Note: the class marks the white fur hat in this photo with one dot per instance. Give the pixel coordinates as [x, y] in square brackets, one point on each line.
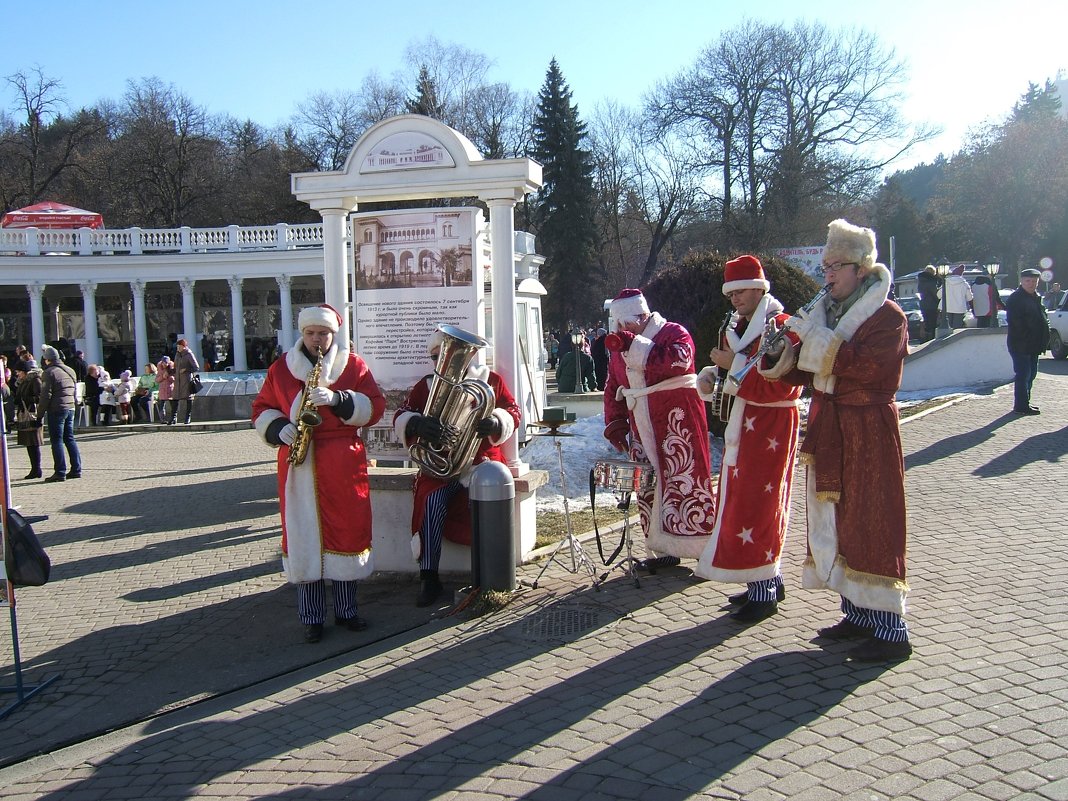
[324, 315]
[851, 244]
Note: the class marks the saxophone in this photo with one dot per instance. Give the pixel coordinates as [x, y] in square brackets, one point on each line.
[307, 416]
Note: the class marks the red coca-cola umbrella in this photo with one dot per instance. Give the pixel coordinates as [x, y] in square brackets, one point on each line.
[51, 215]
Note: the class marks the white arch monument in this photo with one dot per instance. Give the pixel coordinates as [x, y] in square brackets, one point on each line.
[412, 157]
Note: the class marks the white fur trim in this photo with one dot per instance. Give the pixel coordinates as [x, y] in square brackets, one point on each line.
[706, 381]
[868, 303]
[263, 422]
[507, 425]
[417, 546]
[747, 283]
[340, 567]
[400, 423]
[317, 315]
[362, 412]
[786, 363]
[814, 350]
[629, 308]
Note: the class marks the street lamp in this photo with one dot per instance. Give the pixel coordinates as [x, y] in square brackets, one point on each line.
[942, 268]
[577, 338]
[993, 268]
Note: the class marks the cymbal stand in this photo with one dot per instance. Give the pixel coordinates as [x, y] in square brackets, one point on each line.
[579, 559]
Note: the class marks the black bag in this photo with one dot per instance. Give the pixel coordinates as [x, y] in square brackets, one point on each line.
[26, 561]
[195, 384]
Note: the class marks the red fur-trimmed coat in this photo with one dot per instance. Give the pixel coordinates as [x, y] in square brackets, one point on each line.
[651, 394]
[325, 502]
[856, 473]
[506, 411]
[756, 476]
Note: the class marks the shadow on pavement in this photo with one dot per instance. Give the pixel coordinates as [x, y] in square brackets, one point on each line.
[949, 447]
[1049, 447]
[334, 709]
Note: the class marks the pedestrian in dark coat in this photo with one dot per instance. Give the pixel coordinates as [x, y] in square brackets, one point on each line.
[1028, 338]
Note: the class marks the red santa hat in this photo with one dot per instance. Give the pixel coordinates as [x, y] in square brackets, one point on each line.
[744, 272]
[628, 305]
[324, 314]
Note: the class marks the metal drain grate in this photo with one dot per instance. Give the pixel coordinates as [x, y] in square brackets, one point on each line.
[560, 623]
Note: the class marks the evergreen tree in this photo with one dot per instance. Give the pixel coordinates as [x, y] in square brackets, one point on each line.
[426, 100]
[564, 212]
[1038, 102]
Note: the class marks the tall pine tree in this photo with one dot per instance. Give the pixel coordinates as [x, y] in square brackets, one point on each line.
[426, 100]
[565, 207]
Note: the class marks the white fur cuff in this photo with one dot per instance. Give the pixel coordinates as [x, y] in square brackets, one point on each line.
[363, 409]
[814, 350]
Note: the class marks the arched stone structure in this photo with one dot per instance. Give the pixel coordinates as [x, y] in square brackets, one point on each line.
[412, 157]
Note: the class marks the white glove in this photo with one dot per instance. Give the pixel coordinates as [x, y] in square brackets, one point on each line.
[801, 326]
[321, 396]
[288, 434]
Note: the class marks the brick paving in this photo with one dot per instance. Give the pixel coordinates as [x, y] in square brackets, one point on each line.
[166, 590]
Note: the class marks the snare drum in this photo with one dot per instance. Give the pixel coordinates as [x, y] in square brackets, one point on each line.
[621, 475]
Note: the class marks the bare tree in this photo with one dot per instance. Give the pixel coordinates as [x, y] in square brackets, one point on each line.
[166, 155]
[330, 125]
[37, 152]
[795, 122]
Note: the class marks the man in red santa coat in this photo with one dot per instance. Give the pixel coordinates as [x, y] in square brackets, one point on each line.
[325, 501]
[440, 508]
[753, 509]
[853, 348]
[653, 414]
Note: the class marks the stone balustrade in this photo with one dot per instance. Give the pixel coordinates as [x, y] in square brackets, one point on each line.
[140, 241]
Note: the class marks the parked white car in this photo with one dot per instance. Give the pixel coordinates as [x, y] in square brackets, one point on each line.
[1058, 330]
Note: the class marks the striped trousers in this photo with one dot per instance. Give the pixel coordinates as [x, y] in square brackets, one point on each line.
[433, 528]
[311, 601]
[888, 625]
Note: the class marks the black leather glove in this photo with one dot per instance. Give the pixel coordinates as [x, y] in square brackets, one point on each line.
[427, 428]
[490, 427]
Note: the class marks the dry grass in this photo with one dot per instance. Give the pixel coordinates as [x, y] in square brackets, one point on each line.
[552, 526]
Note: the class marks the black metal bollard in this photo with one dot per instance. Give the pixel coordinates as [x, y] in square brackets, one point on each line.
[492, 494]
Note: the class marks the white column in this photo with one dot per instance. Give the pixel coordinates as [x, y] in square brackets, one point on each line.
[137, 287]
[237, 324]
[92, 330]
[285, 303]
[56, 324]
[189, 318]
[37, 329]
[334, 266]
[505, 356]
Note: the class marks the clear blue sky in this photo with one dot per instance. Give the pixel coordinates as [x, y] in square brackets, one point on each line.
[968, 61]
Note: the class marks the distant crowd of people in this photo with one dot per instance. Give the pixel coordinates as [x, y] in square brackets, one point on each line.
[579, 357]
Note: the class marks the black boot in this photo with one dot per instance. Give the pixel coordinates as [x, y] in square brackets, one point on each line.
[429, 587]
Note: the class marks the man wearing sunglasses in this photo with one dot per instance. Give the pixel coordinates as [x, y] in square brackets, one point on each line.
[853, 347]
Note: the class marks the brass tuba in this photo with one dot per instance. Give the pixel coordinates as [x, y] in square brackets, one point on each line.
[307, 417]
[460, 404]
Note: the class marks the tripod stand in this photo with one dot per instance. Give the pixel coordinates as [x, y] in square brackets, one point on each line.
[628, 563]
[579, 559]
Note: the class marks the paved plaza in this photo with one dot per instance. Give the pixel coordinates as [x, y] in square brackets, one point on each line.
[181, 671]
